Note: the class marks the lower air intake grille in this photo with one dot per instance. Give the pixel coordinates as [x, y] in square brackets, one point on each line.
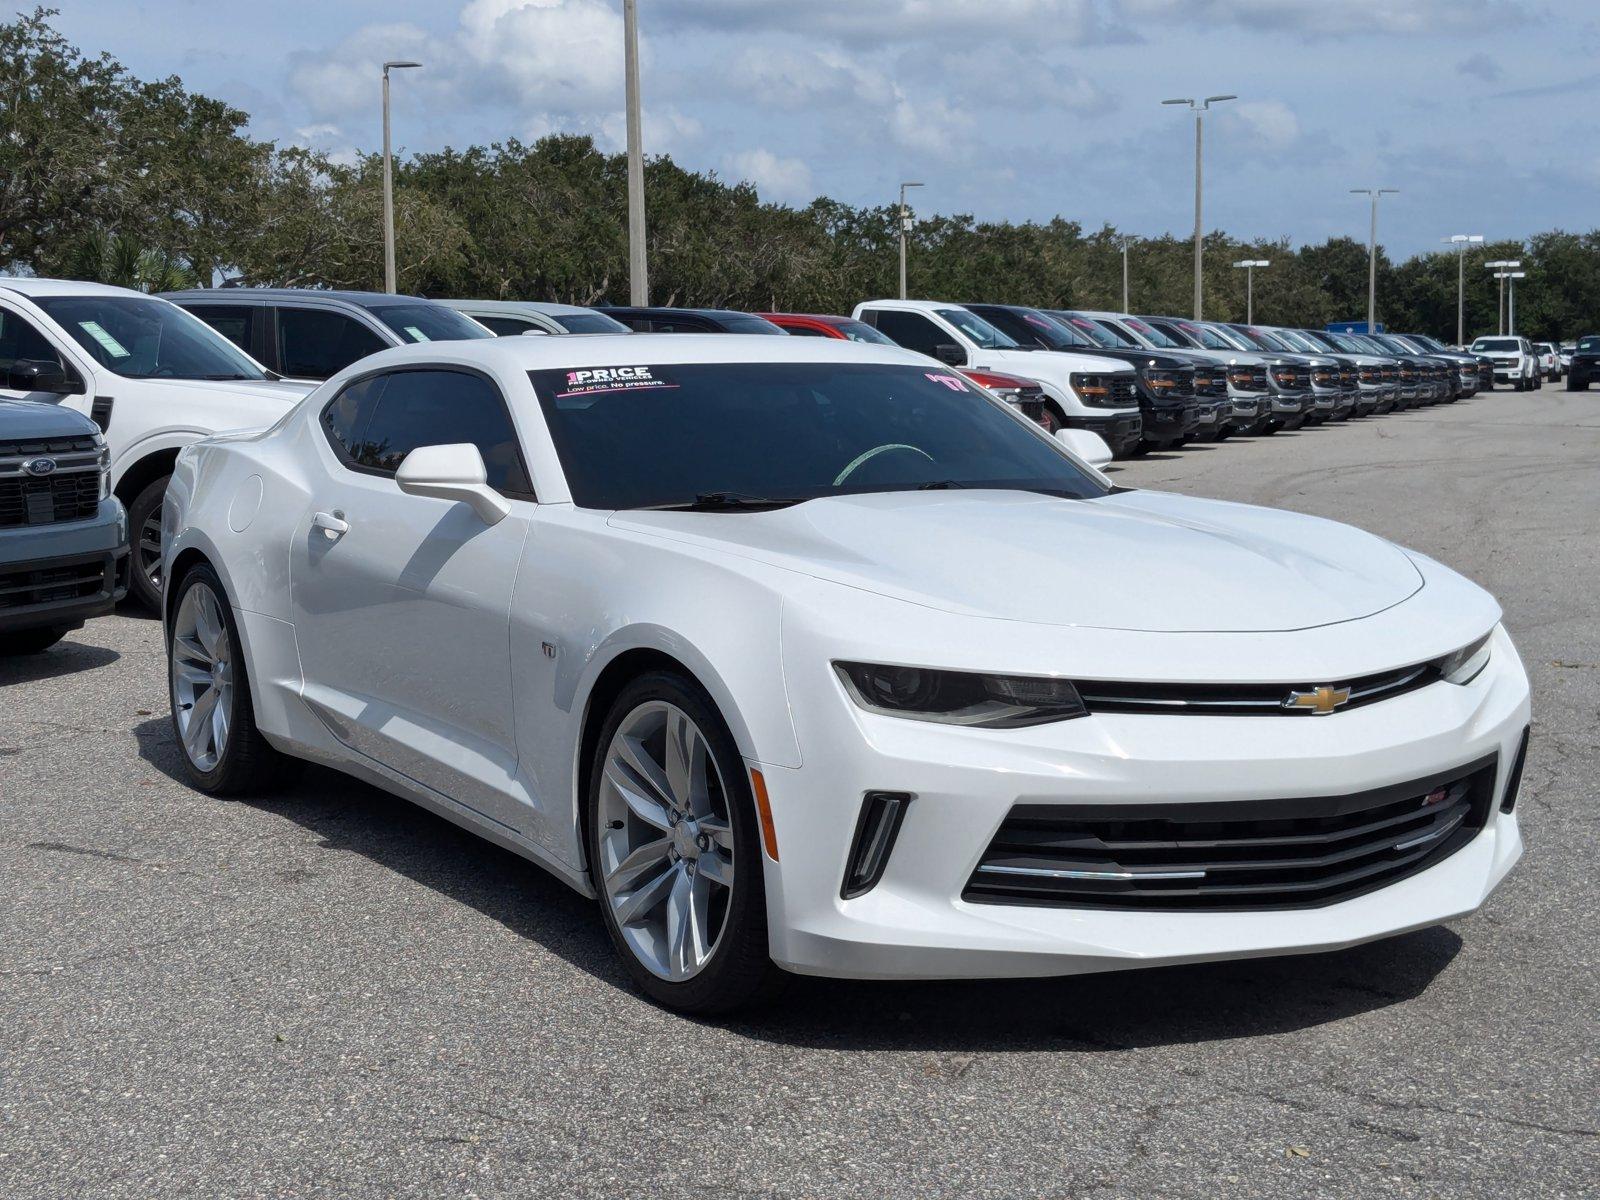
[1252, 854]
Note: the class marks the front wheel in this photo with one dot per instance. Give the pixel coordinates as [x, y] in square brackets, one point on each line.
[30, 641]
[209, 686]
[675, 852]
[1050, 420]
[144, 523]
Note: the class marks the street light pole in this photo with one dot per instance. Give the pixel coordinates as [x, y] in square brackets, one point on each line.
[905, 228]
[1461, 241]
[1250, 265]
[638, 267]
[1127, 307]
[1513, 276]
[1372, 253]
[388, 180]
[1500, 267]
[1199, 108]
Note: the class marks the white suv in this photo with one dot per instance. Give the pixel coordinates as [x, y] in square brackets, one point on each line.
[153, 377]
[1514, 361]
[1085, 391]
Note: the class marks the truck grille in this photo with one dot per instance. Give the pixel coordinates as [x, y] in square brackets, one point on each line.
[70, 493]
[1124, 391]
[61, 580]
[1251, 854]
[1212, 384]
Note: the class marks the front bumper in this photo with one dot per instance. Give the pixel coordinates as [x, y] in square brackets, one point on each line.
[1169, 422]
[1291, 404]
[964, 782]
[1246, 410]
[61, 575]
[1121, 430]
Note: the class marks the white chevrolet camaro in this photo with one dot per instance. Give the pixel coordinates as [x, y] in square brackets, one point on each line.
[810, 655]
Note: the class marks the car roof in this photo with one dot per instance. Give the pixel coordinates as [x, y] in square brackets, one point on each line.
[29, 286]
[515, 354]
[645, 310]
[546, 308]
[361, 299]
[820, 318]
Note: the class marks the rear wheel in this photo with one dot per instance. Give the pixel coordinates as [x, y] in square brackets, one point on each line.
[1050, 420]
[144, 524]
[674, 849]
[209, 686]
[30, 641]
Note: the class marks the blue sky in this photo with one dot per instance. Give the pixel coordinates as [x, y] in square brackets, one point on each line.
[1480, 111]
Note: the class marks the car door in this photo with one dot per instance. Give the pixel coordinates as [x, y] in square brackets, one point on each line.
[401, 603]
[919, 332]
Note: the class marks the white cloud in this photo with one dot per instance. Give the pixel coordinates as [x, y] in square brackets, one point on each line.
[783, 180]
[666, 131]
[1271, 121]
[566, 54]
[1313, 18]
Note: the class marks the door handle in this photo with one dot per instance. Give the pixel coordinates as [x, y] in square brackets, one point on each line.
[333, 524]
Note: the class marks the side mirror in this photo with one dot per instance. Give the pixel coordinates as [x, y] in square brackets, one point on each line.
[535, 331]
[950, 354]
[454, 472]
[37, 375]
[1090, 447]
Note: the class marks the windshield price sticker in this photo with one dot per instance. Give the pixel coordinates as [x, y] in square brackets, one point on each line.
[417, 335]
[107, 343]
[592, 380]
[954, 382]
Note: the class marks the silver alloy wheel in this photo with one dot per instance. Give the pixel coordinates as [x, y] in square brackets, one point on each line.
[666, 844]
[149, 549]
[202, 677]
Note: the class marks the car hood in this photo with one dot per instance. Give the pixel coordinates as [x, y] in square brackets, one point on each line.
[37, 420]
[1144, 561]
[255, 389]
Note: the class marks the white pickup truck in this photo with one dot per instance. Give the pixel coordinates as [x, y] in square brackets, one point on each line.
[1514, 361]
[1088, 392]
[153, 377]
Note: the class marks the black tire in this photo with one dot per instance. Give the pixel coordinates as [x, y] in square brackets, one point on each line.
[740, 971]
[30, 641]
[1574, 386]
[1051, 420]
[144, 517]
[248, 765]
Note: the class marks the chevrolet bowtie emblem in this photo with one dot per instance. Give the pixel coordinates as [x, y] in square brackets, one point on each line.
[1318, 701]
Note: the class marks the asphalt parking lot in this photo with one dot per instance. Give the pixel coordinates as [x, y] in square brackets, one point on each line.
[332, 993]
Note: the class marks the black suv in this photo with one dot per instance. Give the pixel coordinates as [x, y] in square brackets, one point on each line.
[63, 535]
[1585, 368]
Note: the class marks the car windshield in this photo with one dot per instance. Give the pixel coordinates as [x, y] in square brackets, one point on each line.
[139, 337]
[1298, 341]
[1094, 331]
[1206, 336]
[1033, 329]
[1272, 339]
[1232, 337]
[1589, 345]
[1151, 334]
[765, 434]
[589, 322]
[983, 334]
[429, 323]
[1319, 339]
[860, 331]
[1427, 343]
[738, 322]
[1404, 345]
[1348, 341]
[1501, 344]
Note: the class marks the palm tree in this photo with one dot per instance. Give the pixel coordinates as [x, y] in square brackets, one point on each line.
[116, 258]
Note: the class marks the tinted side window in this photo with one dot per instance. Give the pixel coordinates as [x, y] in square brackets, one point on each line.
[376, 422]
[314, 343]
[803, 331]
[20, 340]
[912, 330]
[679, 324]
[236, 322]
[504, 326]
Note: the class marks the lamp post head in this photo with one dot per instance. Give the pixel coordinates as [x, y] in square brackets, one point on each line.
[398, 64]
[1190, 103]
[1253, 262]
[1210, 100]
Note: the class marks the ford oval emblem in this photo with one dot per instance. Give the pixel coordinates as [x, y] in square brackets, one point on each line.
[40, 467]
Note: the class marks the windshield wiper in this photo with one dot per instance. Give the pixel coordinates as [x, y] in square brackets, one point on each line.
[234, 375]
[938, 485]
[723, 501]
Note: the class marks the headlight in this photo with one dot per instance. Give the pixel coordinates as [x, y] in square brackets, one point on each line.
[1091, 389]
[1283, 376]
[961, 697]
[1467, 663]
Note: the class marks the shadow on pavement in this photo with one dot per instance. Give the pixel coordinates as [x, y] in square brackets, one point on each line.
[1090, 1013]
[66, 657]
